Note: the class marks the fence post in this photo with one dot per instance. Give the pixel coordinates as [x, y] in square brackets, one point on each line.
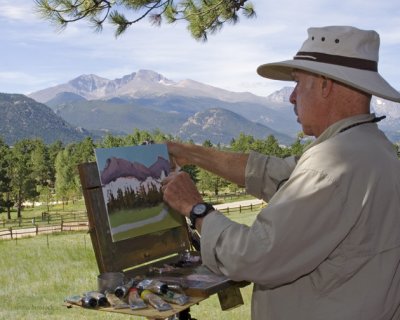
[37, 229]
[251, 207]
[62, 223]
[11, 235]
[240, 208]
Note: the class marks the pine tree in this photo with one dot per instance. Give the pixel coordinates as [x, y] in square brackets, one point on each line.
[203, 16]
[23, 183]
[5, 180]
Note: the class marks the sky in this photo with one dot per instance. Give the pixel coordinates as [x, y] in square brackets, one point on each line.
[34, 55]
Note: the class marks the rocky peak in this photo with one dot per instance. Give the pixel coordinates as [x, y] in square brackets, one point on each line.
[281, 96]
[88, 83]
[151, 76]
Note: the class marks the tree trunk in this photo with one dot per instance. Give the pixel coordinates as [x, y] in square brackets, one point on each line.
[19, 205]
[8, 206]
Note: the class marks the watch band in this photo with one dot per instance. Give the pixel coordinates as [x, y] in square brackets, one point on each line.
[194, 214]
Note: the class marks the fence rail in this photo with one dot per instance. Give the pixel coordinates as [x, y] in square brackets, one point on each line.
[45, 218]
[240, 208]
[48, 223]
[70, 221]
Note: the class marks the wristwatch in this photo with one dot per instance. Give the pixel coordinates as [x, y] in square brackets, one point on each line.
[199, 210]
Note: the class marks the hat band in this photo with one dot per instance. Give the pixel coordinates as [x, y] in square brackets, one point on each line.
[357, 63]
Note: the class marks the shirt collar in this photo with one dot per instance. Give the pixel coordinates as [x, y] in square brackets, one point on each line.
[335, 128]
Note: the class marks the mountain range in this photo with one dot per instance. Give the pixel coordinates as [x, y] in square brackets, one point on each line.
[188, 109]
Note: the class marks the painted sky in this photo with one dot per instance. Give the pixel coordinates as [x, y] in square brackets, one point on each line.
[34, 55]
[146, 154]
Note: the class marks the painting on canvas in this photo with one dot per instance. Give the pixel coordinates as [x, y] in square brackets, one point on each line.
[131, 183]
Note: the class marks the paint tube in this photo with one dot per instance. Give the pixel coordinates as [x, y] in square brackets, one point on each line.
[155, 301]
[122, 290]
[134, 300]
[174, 297]
[175, 287]
[116, 302]
[155, 286]
[100, 298]
[83, 301]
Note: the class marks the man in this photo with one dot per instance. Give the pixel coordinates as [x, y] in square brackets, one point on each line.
[327, 246]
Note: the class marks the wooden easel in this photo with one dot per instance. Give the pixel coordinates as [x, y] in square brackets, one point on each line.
[131, 255]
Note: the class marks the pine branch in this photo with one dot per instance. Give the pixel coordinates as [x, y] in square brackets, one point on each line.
[202, 15]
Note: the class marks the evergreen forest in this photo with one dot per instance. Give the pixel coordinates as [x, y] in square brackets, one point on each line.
[32, 171]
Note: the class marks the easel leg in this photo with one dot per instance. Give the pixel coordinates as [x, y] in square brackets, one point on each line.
[183, 315]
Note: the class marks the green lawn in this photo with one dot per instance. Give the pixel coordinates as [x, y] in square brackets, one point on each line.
[38, 273]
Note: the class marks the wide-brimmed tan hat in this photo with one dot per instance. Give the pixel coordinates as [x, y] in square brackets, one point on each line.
[345, 54]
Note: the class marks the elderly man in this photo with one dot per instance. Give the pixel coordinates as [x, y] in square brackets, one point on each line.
[327, 246]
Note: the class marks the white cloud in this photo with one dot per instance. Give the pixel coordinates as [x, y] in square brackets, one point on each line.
[26, 82]
[16, 10]
[11, 76]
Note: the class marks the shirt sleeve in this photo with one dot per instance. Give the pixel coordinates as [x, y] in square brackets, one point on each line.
[265, 174]
[299, 228]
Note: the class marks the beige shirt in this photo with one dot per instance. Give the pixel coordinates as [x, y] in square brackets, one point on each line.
[327, 246]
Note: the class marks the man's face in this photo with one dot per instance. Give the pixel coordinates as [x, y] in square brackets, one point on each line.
[308, 106]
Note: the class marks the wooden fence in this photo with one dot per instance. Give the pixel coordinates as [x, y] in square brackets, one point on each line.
[70, 221]
[47, 223]
[240, 208]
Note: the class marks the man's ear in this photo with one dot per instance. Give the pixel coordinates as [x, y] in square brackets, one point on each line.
[326, 86]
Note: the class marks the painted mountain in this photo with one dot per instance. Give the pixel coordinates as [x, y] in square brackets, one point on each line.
[116, 168]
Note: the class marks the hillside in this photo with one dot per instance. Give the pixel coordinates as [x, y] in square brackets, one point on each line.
[124, 117]
[22, 117]
[222, 125]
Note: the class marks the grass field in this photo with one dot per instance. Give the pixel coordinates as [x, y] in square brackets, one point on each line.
[36, 274]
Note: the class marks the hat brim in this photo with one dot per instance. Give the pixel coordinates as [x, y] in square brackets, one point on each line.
[367, 81]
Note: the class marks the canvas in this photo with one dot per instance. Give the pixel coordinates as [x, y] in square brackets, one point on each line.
[131, 183]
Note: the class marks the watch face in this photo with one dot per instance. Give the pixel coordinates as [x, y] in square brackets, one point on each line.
[199, 209]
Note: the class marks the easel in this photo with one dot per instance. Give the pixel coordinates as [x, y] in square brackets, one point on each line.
[131, 255]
